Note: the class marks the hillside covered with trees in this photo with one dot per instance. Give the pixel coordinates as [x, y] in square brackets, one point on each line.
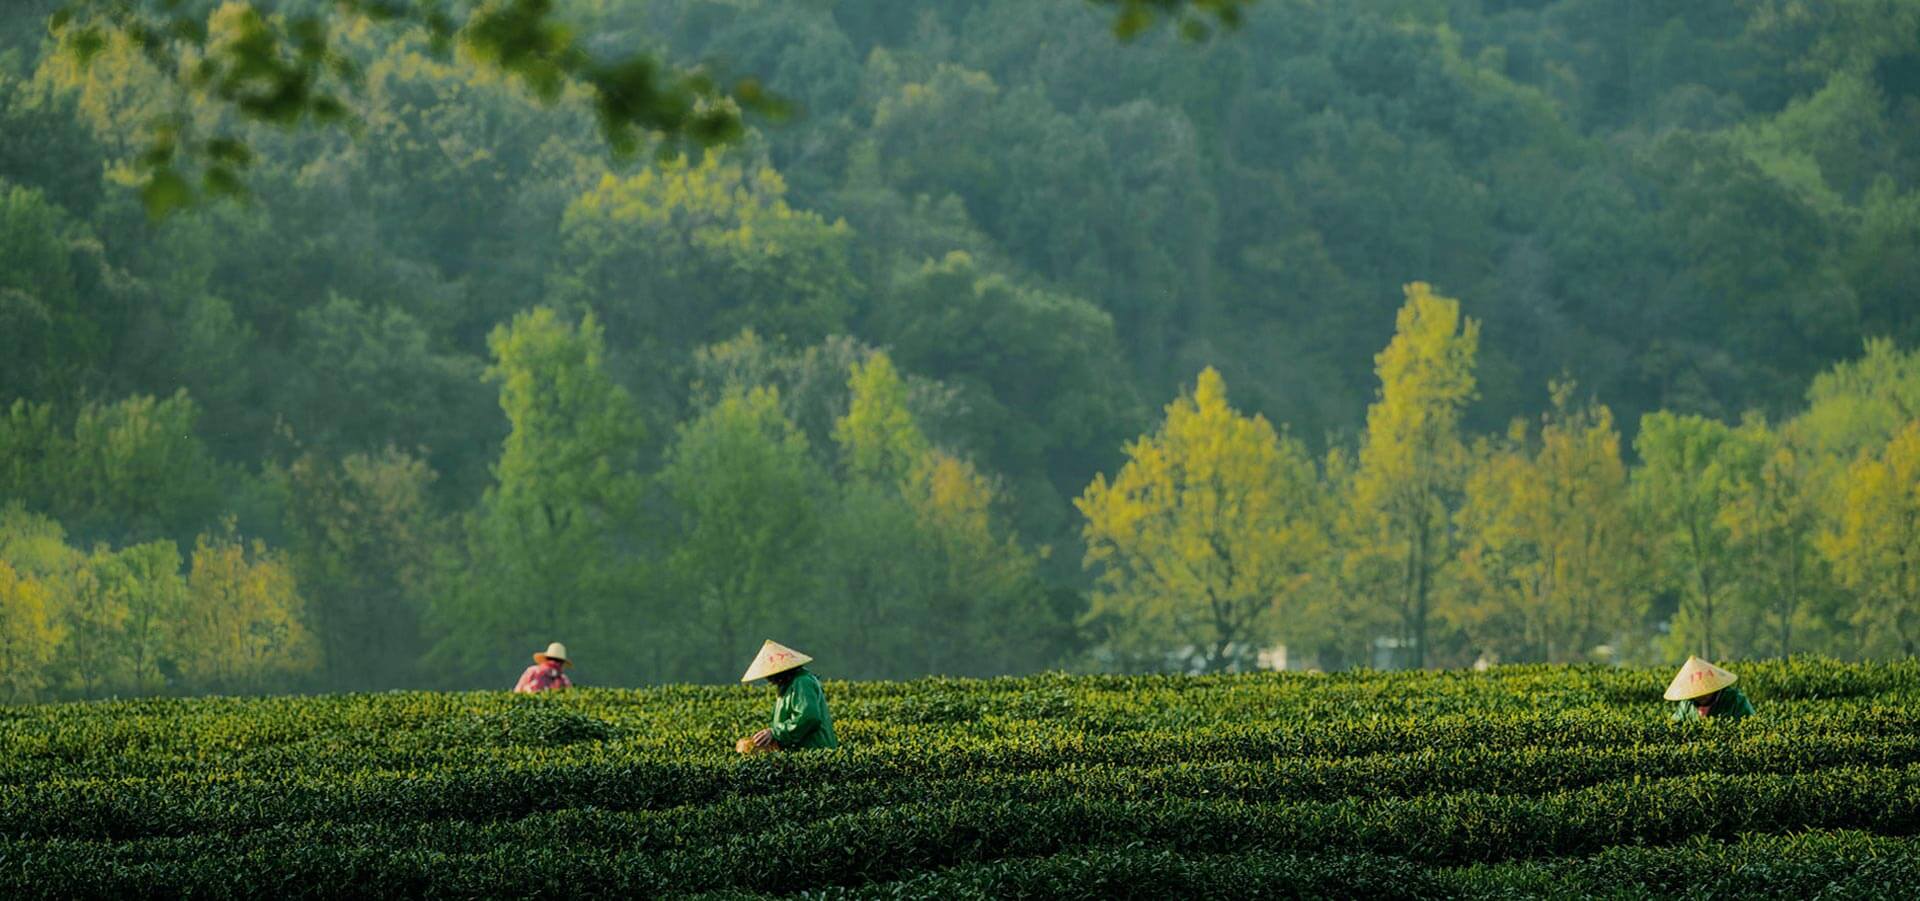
[1398, 333]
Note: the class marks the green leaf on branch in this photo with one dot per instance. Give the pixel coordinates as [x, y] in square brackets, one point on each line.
[328, 110]
[85, 44]
[230, 151]
[165, 192]
[190, 30]
[221, 181]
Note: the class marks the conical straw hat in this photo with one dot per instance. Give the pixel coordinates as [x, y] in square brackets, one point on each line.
[1697, 678]
[554, 651]
[774, 657]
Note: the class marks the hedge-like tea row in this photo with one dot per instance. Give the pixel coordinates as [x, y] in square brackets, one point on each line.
[1837, 865]
[803, 846]
[221, 727]
[27, 757]
[1516, 783]
[238, 802]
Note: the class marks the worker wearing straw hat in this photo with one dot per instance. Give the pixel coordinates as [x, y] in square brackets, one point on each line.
[547, 672]
[800, 717]
[1706, 691]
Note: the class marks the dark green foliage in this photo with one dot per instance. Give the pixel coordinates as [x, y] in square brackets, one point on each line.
[1132, 17]
[121, 472]
[532, 723]
[1692, 207]
[287, 70]
[1514, 783]
[46, 336]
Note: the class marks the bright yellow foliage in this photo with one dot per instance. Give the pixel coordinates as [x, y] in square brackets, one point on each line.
[97, 613]
[1204, 539]
[1876, 548]
[717, 203]
[1548, 568]
[1413, 448]
[30, 635]
[1413, 461]
[242, 618]
[948, 492]
[878, 436]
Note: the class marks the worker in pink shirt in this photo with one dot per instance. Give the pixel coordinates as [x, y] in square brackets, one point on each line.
[547, 672]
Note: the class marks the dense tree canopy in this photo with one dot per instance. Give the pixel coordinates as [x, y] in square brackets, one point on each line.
[653, 327]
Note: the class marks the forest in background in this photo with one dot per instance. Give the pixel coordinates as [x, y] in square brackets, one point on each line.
[891, 381]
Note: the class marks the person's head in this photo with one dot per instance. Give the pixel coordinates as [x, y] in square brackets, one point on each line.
[555, 656]
[1706, 700]
[784, 678]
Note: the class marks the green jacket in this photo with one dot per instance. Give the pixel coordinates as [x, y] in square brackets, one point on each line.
[800, 717]
[1731, 704]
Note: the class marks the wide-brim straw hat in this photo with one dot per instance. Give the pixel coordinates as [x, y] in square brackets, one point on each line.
[774, 658]
[555, 651]
[1697, 679]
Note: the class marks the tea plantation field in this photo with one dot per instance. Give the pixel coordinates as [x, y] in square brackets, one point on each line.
[1520, 782]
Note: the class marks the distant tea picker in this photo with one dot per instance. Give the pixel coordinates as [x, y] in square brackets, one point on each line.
[1706, 691]
[800, 717]
[546, 673]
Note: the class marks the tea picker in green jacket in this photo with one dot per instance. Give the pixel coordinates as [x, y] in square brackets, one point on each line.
[800, 717]
[1706, 691]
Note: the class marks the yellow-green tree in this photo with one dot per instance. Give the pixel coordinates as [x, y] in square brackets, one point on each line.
[1343, 614]
[89, 602]
[878, 437]
[929, 582]
[30, 635]
[139, 471]
[146, 578]
[35, 601]
[118, 607]
[1876, 548]
[1548, 557]
[130, 469]
[980, 573]
[1860, 404]
[744, 487]
[96, 612]
[116, 612]
[1773, 520]
[1501, 570]
[551, 546]
[1690, 470]
[1413, 462]
[1593, 546]
[241, 625]
[1204, 539]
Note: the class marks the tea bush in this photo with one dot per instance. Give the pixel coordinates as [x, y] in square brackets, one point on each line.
[1519, 782]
